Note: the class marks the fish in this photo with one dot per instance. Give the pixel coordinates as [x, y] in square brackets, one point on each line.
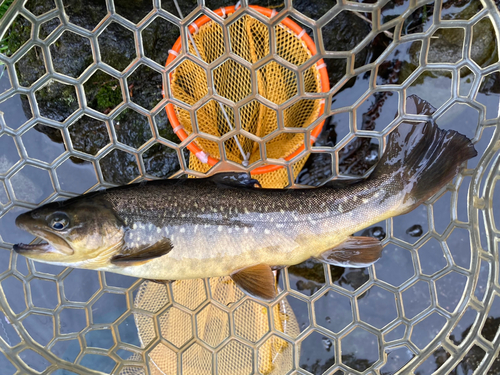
[227, 225]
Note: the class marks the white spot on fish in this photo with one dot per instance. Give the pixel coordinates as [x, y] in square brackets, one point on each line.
[166, 230]
[158, 230]
[282, 211]
[195, 205]
[355, 198]
[182, 230]
[203, 209]
[195, 228]
[150, 226]
[365, 200]
[219, 228]
[340, 208]
[230, 230]
[183, 215]
[246, 210]
[267, 231]
[280, 225]
[214, 209]
[134, 226]
[245, 230]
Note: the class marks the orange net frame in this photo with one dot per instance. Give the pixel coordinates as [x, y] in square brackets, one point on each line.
[249, 39]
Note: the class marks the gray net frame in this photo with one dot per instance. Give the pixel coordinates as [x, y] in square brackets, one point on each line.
[482, 288]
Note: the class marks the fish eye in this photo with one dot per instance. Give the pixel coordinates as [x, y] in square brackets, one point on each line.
[59, 221]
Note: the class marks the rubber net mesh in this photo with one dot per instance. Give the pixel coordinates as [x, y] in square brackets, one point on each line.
[233, 81]
[81, 108]
[275, 356]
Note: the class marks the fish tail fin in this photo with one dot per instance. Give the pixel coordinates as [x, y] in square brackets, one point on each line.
[425, 158]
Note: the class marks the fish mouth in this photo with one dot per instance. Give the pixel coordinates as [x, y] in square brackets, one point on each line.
[39, 248]
[54, 244]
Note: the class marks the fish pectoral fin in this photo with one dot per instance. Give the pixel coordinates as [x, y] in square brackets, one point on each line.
[257, 281]
[355, 252]
[139, 255]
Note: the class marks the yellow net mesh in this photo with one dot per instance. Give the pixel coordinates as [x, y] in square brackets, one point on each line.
[249, 40]
[251, 321]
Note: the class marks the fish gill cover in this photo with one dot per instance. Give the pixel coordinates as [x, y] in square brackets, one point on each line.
[82, 108]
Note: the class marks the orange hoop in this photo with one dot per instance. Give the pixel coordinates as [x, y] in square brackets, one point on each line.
[299, 33]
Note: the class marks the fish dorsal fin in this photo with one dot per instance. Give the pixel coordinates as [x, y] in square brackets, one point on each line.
[355, 252]
[258, 281]
[142, 254]
[235, 179]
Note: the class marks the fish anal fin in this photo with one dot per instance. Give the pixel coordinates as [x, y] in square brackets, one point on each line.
[355, 252]
[142, 254]
[258, 281]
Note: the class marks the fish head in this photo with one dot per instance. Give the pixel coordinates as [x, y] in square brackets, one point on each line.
[83, 231]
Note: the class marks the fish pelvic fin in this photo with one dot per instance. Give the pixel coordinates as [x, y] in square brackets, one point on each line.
[423, 157]
[355, 252]
[257, 281]
[136, 256]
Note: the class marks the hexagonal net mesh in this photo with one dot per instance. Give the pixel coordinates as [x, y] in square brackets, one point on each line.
[249, 40]
[82, 108]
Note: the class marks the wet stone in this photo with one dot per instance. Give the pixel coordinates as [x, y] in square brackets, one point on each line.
[85, 13]
[119, 167]
[415, 230]
[145, 86]
[307, 277]
[39, 7]
[89, 135]
[135, 10]
[57, 101]
[399, 64]
[117, 46]
[158, 38]
[71, 54]
[446, 46]
[46, 28]
[34, 59]
[376, 232]
[161, 161]
[132, 128]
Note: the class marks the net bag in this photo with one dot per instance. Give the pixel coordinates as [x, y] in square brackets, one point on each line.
[251, 322]
[249, 39]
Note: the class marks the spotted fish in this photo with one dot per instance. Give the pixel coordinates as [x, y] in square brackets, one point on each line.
[224, 225]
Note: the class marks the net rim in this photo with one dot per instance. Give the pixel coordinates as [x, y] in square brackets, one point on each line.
[299, 33]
